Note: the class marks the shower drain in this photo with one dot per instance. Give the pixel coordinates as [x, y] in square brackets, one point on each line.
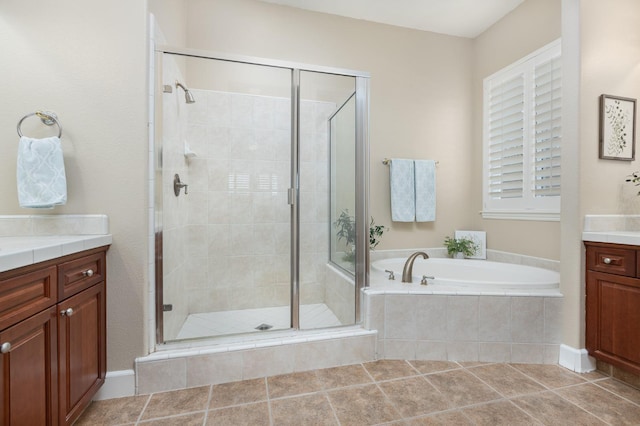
[264, 327]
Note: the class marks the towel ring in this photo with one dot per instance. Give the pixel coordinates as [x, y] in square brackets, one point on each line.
[47, 117]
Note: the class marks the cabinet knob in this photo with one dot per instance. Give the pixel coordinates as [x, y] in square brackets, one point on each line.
[5, 348]
[66, 312]
[88, 273]
[606, 260]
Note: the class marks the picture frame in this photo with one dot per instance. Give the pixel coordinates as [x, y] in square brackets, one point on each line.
[478, 237]
[617, 128]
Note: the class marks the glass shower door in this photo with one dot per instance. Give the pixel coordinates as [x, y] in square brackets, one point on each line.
[226, 236]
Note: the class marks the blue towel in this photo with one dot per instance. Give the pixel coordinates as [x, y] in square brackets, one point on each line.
[40, 173]
[403, 198]
[425, 172]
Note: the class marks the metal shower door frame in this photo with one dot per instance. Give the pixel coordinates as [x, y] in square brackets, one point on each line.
[362, 175]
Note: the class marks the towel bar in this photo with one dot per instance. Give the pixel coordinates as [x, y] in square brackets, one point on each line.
[47, 117]
[387, 161]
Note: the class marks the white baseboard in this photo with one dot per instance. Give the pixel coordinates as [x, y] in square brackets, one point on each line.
[117, 384]
[577, 360]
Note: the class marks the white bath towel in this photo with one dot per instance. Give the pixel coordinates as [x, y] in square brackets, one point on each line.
[425, 172]
[40, 173]
[403, 199]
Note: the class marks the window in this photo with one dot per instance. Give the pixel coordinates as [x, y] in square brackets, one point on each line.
[522, 138]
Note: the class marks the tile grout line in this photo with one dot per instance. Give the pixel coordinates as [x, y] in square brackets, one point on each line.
[549, 387]
[419, 375]
[333, 409]
[505, 397]
[266, 384]
[462, 408]
[453, 409]
[615, 393]
[502, 396]
[146, 404]
[390, 402]
[447, 411]
[377, 385]
[522, 410]
[576, 405]
[540, 392]
[208, 406]
[323, 391]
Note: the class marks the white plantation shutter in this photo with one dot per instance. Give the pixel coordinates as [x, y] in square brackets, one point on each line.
[547, 128]
[506, 121]
[522, 137]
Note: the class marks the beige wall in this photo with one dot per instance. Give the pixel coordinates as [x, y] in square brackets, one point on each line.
[610, 64]
[172, 14]
[419, 92]
[68, 57]
[530, 26]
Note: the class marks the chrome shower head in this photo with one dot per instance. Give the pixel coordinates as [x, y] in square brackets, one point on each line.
[188, 96]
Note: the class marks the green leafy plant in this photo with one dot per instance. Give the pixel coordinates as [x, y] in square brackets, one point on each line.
[460, 245]
[375, 234]
[346, 230]
[346, 226]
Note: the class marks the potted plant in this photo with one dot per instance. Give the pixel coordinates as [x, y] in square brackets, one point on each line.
[346, 229]
[459, 248]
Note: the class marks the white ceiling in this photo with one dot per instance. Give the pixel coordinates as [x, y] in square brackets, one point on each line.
[464, 18]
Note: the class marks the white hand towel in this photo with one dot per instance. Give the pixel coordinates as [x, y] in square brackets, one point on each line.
[403, 206]
[40, 173]
[425, 172]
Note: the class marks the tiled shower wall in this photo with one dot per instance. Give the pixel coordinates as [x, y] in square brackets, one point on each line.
[237, 212]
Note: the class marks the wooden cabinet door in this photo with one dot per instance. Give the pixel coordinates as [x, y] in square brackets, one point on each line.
[613, 318]
[28, 371]
[82, 350]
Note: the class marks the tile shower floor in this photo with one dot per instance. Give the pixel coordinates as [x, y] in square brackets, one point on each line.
[222, 323]
[389, 392]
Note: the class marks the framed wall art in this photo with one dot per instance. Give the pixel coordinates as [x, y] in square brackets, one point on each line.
[617, 128]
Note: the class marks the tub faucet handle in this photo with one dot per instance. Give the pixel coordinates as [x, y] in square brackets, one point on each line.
[424, 280]
[391, 276]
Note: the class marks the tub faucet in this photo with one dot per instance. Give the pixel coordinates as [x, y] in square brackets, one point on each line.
[408, 266]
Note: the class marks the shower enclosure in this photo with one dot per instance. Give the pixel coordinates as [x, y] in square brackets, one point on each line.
[259, 166]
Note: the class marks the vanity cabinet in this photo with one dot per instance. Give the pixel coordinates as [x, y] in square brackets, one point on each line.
[52, 338]
[613, 304]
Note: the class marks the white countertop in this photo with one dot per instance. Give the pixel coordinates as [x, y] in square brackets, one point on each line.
[16, 252]
[617, 237]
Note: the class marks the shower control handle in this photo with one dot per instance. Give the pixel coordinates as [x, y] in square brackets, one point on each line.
[178, 185]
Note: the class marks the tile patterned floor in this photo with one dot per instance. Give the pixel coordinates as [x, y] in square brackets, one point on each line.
[221, 323]
[389, 392]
